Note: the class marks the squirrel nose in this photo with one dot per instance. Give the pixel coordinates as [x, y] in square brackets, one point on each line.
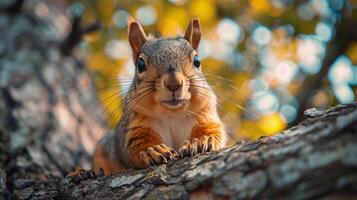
[173, 85]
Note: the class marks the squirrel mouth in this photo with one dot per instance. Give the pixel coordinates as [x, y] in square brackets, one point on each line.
[174, 103]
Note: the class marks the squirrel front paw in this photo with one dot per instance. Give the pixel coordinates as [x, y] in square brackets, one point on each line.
[202, 144]
[157, 155]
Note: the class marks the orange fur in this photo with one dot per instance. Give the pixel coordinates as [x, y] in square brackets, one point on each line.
[102, 160]
[139, 140]
[209, 129]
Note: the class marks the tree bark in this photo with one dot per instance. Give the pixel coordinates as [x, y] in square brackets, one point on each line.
[49, 113]
[317, 158]
[47, 127]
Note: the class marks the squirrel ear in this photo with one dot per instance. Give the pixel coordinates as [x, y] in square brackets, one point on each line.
[137, 37]
[193, 33]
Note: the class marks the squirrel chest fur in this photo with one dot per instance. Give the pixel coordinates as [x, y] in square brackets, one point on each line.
[174, 130]
[170, 110]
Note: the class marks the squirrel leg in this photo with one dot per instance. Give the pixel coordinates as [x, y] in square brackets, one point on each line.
[205, 137]
[102, 160]
[145, 148]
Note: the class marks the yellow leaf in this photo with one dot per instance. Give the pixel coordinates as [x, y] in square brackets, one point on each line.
[204, 9]
[259, 6]
[272, 123]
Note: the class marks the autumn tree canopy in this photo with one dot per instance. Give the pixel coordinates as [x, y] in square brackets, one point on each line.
[267, 60]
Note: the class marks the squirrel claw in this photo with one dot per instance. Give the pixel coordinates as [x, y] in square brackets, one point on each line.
[185, 149]
[80, 174]
[157, 155]
[202, 145]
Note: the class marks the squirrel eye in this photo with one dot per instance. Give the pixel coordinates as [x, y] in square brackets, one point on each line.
[196, 61]
[141, 65]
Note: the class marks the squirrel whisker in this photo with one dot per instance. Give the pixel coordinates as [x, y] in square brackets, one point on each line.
[204, 95]
[131, 100]
[191, 112]
[219, 77]
[136, 96]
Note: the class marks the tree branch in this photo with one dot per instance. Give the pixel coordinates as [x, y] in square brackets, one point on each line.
[76, 34]
[317, 158]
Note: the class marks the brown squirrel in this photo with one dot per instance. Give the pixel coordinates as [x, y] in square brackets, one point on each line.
[169, 111]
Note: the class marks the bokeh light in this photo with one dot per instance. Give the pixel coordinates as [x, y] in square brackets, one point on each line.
[178, 2]
[343, 93]
[228, 31]
[310, 54]
[120, 18]
[289, 112]
[341, 72]
[285, 71]
[257, 55]
[117, 49]
[265, 101]
[261, 35]
[323, 31]
[146, 15]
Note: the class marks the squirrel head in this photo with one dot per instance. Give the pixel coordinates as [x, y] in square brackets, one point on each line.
[168, 76]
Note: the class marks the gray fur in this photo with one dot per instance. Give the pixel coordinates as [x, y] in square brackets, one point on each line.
[165, 52]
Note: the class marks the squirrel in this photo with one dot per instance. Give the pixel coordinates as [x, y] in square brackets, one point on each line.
[170, 111]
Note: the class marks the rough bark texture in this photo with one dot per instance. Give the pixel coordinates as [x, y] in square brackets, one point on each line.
[49, 113]
[317, 158]
[47, 127]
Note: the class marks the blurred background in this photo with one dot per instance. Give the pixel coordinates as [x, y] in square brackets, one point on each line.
[267, 60]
